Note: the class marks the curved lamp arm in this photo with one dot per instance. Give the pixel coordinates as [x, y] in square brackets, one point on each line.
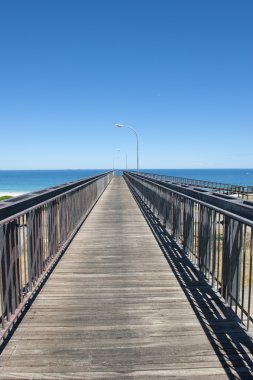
[137, 140]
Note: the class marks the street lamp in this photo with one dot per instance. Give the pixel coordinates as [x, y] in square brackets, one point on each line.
[114, 158]
[134, 131]
[125, 156]
[126, 160]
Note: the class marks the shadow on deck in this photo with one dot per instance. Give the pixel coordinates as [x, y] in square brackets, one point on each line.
[230, 341]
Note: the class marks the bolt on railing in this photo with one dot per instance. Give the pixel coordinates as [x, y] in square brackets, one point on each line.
[33, 239]
[218, 241]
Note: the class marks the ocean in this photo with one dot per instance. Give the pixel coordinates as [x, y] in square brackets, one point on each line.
[242, 177]
[16, 182]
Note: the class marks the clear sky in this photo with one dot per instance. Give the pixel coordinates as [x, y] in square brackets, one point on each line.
[179, 71]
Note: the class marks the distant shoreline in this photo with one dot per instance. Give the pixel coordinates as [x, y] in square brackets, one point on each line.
[12, 193]
[19, 182]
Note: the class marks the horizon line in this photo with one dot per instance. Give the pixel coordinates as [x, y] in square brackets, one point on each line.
[181, 168]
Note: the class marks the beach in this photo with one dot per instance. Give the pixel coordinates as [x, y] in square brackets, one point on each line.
[11, 193]
[18, 182]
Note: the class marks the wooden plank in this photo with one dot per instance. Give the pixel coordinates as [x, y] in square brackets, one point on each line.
[113, 309]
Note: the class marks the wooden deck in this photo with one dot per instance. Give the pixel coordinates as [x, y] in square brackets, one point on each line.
[113, 308]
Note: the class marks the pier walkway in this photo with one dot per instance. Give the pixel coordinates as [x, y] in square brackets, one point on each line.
[116, 308]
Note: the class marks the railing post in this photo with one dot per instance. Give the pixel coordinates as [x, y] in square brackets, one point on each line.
[188, 226]
[205, 228]
[232, 245]
[10, 268]
[30, 249]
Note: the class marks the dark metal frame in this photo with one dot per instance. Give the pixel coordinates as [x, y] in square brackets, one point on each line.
[216, 234]
[34, 231]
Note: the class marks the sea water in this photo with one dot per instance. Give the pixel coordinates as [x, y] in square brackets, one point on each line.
[22, 181]
[242, 177]
[16, 182]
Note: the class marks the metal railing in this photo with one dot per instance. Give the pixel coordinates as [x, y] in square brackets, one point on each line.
[225, 188]
[34, 231]
[216, 234]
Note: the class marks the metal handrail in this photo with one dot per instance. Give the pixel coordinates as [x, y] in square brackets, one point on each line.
[219, 240]
[34, 237]
[13, 206]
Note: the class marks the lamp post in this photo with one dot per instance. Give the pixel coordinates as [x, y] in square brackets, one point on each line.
[137, 140]
[126, 160]
[115, 159]
[125, 156]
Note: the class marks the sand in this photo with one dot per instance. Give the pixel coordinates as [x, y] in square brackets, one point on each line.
[13, 194]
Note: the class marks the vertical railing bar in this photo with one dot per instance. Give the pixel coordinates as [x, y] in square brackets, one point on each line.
[2, 296]
[195, 213]
[214, 248]
[45, 231]
[11, 268]
[42, 238]
[231, 241]
[1, 276]
[33, 273]
[35, 235]
[21, 275]
[22, 253]
[17, 287]
[7, 290]
[219, 242]
[224, 237]
[210, 233]
[25, 252]
[238, 268]
[243, 269]
[38, 243]
[41, 245]
[250, 278]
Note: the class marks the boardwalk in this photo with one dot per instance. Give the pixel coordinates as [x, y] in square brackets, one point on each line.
[114, 309]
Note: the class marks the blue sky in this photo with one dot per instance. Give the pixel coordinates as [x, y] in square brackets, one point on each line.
[178, 71]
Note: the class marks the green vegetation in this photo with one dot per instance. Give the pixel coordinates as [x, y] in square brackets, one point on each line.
[3, 197]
